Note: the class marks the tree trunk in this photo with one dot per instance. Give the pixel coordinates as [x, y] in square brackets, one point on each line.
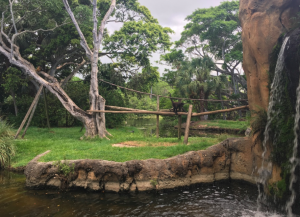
[96, 125]
[15, 103]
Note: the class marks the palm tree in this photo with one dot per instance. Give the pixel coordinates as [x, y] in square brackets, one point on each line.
[195, 80]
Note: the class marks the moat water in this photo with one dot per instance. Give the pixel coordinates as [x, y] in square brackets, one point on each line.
[230, 199]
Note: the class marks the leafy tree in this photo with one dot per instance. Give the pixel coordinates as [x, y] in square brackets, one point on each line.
[173, 59]
[145, 80]
[195, 81]
[12, 80]
[161, 88]
[134, 16]
[216, 32]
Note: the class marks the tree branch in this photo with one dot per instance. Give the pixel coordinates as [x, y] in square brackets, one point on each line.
[64, 64]
[49, 77]
[83, 42]
[106, 17]
[95, 20]
[67, 79]
[12, 15]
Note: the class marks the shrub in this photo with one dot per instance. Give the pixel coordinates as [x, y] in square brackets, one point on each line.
[7, 149]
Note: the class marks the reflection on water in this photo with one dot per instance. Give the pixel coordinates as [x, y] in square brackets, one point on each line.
[166, 128]
[221, 199]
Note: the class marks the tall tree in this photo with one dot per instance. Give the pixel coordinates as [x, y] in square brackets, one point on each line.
[195, 81]
[216, 32]
[103, 12]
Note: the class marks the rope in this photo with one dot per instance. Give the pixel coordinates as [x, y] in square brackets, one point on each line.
[205, 100]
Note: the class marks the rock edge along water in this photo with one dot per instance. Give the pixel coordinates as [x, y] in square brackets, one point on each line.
[232, 159]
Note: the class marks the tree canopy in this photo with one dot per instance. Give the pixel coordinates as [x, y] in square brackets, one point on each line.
[216, 32]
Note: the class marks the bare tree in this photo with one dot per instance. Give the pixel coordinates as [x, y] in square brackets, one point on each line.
[94, 123]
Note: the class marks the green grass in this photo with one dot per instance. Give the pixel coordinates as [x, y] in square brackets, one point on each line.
[226, 124]
[65, 142]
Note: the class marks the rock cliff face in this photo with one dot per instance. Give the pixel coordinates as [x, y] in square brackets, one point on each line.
[231, 159]
[263, 21]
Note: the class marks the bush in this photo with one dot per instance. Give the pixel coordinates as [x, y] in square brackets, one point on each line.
[7, 149]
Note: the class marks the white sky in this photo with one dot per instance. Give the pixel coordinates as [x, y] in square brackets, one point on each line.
[172, 14]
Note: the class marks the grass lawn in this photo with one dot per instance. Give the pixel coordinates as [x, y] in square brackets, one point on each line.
[226, 124]
[66, 143]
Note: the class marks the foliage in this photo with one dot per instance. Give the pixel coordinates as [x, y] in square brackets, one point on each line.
[13, 79]
[143, 103]
[216, 32]
[131, 46]
[195, 80]
[279, 188]
[7, 148]
[162, 88]
[259, 119]
[59, 117]
[145, 80]
[64, 167]
[137, 40]
[154, 182]
[174, 58]
[114, 98]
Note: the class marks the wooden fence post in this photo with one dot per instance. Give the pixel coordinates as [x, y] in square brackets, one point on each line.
[46, 108]
[29, 111]
[157, 119]
[179, 124]
[29, 120]
[187, 126]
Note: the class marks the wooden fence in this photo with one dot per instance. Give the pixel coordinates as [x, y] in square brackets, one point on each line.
[167, 113]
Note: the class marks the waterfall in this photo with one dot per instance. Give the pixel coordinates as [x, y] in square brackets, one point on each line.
[276, 95]
[295, 160]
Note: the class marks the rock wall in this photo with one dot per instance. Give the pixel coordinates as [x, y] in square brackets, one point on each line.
[231, 159]
[263, 21]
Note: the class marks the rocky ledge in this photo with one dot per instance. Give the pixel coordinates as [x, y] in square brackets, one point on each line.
[231, 159]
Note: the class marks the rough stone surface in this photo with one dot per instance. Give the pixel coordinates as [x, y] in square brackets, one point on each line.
[231, 159]
[291, 61]
[262, 21]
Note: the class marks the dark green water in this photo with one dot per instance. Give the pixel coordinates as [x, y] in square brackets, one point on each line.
[221, 199]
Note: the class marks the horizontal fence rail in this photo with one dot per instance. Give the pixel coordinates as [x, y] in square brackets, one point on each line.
[168, 113]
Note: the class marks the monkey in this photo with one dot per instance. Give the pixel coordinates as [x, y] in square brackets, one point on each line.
[177, 106]
[38, 69]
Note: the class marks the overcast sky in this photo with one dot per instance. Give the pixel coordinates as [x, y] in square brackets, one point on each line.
[171, 13]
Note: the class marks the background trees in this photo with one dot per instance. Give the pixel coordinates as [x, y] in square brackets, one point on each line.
[216, 32]
[59, 55]
[206, 61]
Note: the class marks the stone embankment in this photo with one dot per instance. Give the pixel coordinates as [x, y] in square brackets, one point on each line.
[231, 159]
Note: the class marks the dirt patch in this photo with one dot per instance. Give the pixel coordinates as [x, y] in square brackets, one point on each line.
[134, 144]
